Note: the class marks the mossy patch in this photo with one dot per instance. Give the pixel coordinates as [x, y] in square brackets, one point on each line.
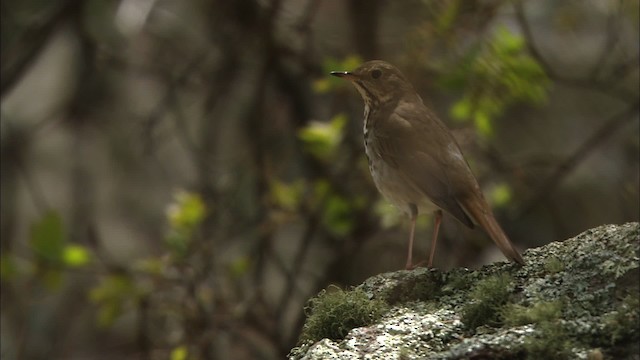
[623, 324]
[333, 313]
[516, 315]
[551, 342]
[553, 265]
[487, 300]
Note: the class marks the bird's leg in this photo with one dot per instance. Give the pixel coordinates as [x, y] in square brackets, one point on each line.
[414, 215]
[434, 239]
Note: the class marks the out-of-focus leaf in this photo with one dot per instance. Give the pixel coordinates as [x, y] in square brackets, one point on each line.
[286, 196]
[500, 195]
[337, 215]
[179, 353]
[389, 215]
[185, 214]
[500, 75]
[111, 295]
[239, 267]
[483, 123]
[47, 237]
[461, 110]
[76, 256]
[447, 16]
[187, 211]
[321, 139]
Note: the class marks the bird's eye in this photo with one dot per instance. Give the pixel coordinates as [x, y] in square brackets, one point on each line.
[376, 74]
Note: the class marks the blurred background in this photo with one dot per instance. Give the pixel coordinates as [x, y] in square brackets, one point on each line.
[179, 177]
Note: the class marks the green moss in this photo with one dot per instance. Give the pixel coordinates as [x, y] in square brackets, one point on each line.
[516, 315]
[623, 324]
[487, 300]
[457, 282]
[551, 342]
[332, 314]
[553, 265]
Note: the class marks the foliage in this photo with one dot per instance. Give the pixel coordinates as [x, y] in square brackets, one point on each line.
[495, 77]
[321, 139]
[185, 215]
[487, 300]
[514, 315]
[112, 295]
[550, 342]
[334, 312]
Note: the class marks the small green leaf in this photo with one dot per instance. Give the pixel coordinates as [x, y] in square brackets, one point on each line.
[286, 196]
[321, 139]
[111, 295]
[187, 211]
[500, 195]
[179, 353]
[496, 77]
[185, 214]
[337, 215]
[461, 110]
[47, 237]
[388, 214]
[76, 256]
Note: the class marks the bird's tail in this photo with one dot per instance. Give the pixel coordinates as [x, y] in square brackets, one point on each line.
[481, 213]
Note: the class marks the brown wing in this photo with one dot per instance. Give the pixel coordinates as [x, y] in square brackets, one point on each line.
[428, 156]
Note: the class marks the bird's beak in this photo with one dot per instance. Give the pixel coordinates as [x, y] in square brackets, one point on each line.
[344, 74]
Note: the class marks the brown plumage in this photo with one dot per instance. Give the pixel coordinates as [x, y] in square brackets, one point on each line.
[414, 160]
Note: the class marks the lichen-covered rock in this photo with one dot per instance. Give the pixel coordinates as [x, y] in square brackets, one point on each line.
[575, 299]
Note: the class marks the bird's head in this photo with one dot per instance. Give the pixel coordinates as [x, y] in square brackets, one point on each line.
[378, 81]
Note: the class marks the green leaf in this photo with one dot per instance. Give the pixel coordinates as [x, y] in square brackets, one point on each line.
[500, 195]
[187, 211]
[47, 237]
[185, 214]
[76, 256]
[111, 295]
[483, 123]
[321, 139]
[500, 75]
[179, 353]
[286, 196]
[338, 215]
[461, 110]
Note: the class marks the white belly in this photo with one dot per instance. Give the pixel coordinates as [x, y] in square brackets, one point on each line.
[395, 188]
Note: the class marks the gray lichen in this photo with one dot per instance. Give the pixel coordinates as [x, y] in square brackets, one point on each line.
[575, 299]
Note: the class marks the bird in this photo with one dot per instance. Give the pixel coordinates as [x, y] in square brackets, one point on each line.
[414, 160]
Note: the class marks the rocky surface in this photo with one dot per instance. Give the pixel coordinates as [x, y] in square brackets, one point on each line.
[575, 299]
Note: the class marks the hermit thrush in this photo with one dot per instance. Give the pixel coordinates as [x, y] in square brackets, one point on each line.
[414, 160]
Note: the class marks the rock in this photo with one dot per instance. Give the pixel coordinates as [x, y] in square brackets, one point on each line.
[575, 299]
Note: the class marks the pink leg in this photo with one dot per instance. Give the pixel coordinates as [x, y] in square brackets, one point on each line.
[436, 227]
[410, 252]
[414, 216]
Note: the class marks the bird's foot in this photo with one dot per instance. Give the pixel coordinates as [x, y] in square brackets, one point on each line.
[411, 266]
